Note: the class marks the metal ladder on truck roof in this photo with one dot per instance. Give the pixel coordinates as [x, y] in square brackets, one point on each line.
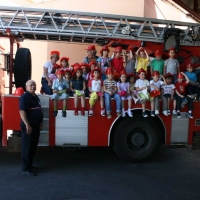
[61, 25]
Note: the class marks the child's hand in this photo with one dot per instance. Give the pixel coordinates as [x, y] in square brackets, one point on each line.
[111, 93]
[49, 83]
[181, 96]
[172, 97]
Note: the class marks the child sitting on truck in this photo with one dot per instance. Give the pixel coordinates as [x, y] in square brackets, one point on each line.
[135, 96]
[182, 96]
[95, 85]
[59, 87]
[53, 76]
[110, 91]
[155, 86]
[124, 92]
[168, 94]
[78, 86]
[142, 87]
[193, 88]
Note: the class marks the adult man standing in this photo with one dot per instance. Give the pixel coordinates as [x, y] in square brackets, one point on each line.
[31, 122]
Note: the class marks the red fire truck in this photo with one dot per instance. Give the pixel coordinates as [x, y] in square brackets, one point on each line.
[134, 138]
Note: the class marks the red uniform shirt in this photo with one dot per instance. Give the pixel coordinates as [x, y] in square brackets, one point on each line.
[117, 64]
[180, 87]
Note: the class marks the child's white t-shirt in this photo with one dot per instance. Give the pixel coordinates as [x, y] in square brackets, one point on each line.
[167, 89]
[157, 84]
[49, 67]
[141, 83]
[96, 85]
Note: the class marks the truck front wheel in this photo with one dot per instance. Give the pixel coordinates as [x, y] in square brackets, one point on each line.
[137, 139]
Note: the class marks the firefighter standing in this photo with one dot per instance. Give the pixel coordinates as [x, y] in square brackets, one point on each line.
[31, 121]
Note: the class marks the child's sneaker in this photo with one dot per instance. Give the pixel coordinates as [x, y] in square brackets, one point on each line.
[119, 114]
[144, 114]
[103, 113]
[64, 113]
[90, 113]
[152, 114]
[174, 112]
[169, 112]
[178, 115]
[130, 113]
[55, 113]
[123, 113]
[109, 116]
[190, 115]
[165, 113]
[157, 112]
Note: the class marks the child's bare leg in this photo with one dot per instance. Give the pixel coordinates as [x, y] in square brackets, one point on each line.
[144, 106]
[152, 105]
[55, 104]
[129, 103]
[174, 104]
[168, 103]
[101, 102]
[64, 104]
[122, 104]
[83, 101]
[75, 100]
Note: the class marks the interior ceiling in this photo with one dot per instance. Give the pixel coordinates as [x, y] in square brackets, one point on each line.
[192, 6]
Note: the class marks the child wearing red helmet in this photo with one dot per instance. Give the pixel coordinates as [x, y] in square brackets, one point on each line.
[92, 65]
[110, 91]
[130, 60]
[78, 87]
[171, 64]
[84, 67]
[155, 85]
[142, 58]
[133, 92]
[193, 87]
[104, 61]
[53, 76]
[181, 96]
[118, 62]
[59, 87]
[142, 87]
[91, 57]
[68, 76]
[168, 94]
[157, 64]
[64, 63]
[96, 85]
[124, 91]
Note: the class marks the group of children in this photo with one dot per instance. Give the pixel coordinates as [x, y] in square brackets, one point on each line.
[116, 78]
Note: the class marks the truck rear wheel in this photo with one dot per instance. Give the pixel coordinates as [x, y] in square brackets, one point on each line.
[137, 139]
[22, 67]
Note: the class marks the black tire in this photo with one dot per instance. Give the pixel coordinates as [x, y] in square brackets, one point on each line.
[22, 67]
[137, 139]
